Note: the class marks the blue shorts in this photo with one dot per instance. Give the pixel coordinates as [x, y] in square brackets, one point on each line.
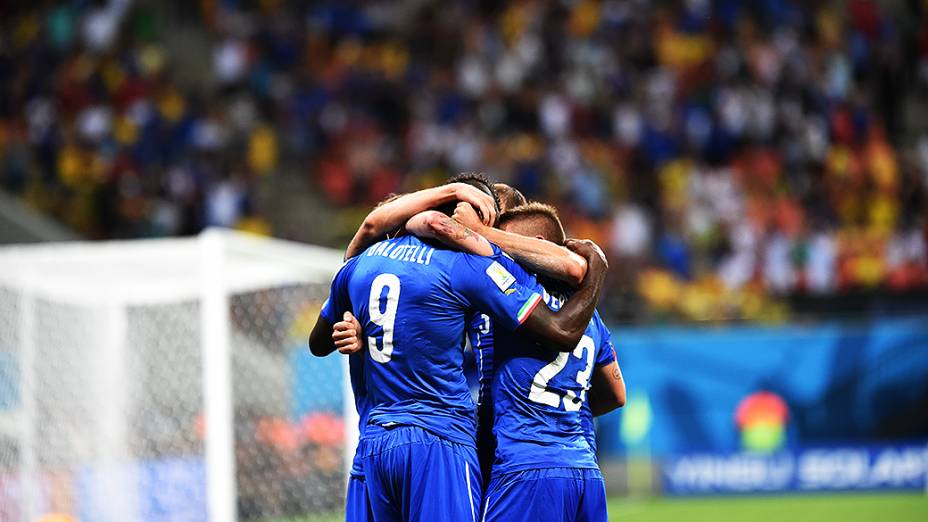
[551, 494]
[415, 475]
[357, 507]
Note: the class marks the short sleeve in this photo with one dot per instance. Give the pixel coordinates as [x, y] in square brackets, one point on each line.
[605, 355]
[339, 300]
[496, 286]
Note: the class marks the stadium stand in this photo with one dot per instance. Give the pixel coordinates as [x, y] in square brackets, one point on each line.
[728, 163]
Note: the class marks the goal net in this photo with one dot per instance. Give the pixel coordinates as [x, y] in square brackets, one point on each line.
[168, 380]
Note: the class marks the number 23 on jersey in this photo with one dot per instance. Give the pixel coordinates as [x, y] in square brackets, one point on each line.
[541, 394]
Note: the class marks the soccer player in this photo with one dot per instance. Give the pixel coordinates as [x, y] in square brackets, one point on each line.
[389, 219]
[545, 467]
[608, 390]
[535, 254]
[382, 222]
[411, 299]
[538, 256]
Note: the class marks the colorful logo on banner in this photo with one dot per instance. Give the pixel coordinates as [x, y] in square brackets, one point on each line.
[761, 417]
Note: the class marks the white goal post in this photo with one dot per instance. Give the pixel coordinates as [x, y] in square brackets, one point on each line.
[168, 380]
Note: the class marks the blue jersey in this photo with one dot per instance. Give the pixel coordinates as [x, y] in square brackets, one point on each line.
[606, 357]
[480, 335]
[413, 300]
[538, 396]
[356, 372]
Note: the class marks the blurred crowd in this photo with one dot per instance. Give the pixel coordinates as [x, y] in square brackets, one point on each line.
[96, 130]
[725, 154]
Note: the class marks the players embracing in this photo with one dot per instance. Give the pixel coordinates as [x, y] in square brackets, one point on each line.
[544, 370]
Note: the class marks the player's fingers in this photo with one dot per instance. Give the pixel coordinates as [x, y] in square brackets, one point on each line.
[583, 248]
[482, 209]
[489, 215]
[348, 317]
[345, 334]
[587, 249]
[466, 214]
[460, 212]
[348, 350]
[342, 326]
[576, 245]
[341, 343]
[353, 325]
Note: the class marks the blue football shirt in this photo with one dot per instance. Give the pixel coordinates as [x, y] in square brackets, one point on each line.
[603, 357]
[356, 373]
[413, 300]
[538, 396]
[480, 335]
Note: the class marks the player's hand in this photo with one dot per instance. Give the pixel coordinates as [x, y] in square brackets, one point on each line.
[595, 258]
[479, 200]
[347, 335]
[465, 214]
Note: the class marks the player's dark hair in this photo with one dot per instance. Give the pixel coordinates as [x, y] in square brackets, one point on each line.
[474, 179]
[509, 197]
[541, 220]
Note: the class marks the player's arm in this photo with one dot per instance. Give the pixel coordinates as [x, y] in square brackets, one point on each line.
[344, 336]
[335, 323]
[562, 330]
[320, 340]
[540, 256]
[392, 215]
[607, 389]
[432, 224]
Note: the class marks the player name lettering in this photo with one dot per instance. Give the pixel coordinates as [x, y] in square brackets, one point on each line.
[409, 253]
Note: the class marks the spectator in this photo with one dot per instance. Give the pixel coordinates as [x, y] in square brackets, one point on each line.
[757, 149]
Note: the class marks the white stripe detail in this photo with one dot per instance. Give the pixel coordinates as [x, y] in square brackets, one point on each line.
[485, 507]
[470, 492]
[480, 392]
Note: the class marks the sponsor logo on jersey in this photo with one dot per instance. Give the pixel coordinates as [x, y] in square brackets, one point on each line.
[500, 276]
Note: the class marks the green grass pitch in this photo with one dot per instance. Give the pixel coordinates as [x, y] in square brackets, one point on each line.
[807, 508]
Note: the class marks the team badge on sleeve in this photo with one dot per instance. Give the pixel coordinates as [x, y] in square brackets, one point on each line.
[500, 276]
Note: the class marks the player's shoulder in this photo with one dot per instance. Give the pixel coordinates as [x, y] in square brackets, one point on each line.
[348, 266]
[501, 266]
[352, 261]
[597, 322]
[599, 328]
[597, 319]
[506, 261]
[457, 256]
